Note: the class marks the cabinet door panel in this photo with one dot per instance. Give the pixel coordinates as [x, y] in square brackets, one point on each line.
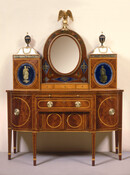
[50, 121]
[107, 112]
[78, 121]
[21, 112]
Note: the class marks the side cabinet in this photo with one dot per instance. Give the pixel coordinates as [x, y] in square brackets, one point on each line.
[109, 116]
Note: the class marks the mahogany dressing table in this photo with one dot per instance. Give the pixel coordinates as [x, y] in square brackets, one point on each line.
[65, 91]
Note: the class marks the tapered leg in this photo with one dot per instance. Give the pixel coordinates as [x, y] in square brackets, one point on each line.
[93, 149]
[34, 147]
[14, 136]
[116, 141]
[120, 129]
[120, 143]
[9, 142]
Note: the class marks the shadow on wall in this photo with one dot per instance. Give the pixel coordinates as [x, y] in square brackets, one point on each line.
[64, 142]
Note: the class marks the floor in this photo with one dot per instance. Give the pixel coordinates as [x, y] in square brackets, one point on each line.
[65, 164]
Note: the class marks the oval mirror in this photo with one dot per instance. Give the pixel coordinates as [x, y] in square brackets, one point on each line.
[64, 55]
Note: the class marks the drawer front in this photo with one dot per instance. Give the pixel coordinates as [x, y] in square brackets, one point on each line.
[64, 121]
[64, 104]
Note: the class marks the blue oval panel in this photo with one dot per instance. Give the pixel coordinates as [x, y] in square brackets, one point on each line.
[26, 74]
[103, 73]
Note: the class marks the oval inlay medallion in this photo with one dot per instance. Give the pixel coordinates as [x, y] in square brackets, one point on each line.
[103, 73]
[26, 74]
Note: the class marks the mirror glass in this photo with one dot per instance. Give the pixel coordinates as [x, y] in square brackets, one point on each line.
[64, 54]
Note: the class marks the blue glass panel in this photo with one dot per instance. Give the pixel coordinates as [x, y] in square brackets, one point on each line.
[65, 79]
[26, 74]
[103, 73]
[46, 67]
[84, 66]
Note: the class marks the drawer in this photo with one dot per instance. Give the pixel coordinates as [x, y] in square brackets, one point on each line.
[64, 86]
[64, 104]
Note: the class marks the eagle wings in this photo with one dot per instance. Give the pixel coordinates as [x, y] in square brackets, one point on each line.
[64, 14]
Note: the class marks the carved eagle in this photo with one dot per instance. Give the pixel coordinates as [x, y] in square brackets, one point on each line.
[64, 14]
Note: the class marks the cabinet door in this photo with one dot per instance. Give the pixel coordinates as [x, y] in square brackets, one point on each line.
[78, 121]
[107, 112]
[50, 121]
[56, 121]
[21, 112]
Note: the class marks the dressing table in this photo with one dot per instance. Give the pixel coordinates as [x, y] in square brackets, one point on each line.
[65, 91]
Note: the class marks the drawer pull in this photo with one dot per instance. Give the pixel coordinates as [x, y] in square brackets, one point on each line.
[77, 104]
[111, 111]
[16, 112]
[49, 104]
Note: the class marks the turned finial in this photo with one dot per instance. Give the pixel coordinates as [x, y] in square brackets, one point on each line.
[102, 38]
[27, 39]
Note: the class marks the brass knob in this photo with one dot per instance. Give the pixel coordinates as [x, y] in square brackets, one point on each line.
[49, 104]
[16, 111]
[77, 104]
[111, 111]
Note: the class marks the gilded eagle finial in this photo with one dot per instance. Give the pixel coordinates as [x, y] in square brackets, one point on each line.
[65, 14]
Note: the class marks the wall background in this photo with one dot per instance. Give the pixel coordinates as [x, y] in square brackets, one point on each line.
[39, 18]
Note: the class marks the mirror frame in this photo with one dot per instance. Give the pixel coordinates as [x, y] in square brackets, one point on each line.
[78, 40]
[49, 54]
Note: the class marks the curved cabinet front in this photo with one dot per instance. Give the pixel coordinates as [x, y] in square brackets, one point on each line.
[21, 113]
[107, 112]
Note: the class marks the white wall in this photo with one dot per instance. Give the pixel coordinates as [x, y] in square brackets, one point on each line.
[39, 18]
